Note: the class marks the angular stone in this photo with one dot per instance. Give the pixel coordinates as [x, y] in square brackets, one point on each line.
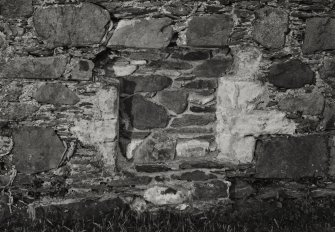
[174, 100]
[57, 94]
[209, 31]
[161, 195]
[193, 120]
[307, 104]
[211, 190]
[270, 27]
[145, 114]
[124, 70]
[142, 33]
[291, 75]
[158, 147]
[292, 157]
[16, 8]
[203, 109]
[135, 84]
[216, 67]
[81, 69]
[192, 148]
[17, 111]
[319, 35]
[195, 176]
[36, 149]
[201, 84]
[34, 68]
[71, 25]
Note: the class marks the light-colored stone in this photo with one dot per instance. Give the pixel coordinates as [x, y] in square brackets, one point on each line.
[124, 70]
[81, 69]
[192, 148]
[161, 195]
[6, 145]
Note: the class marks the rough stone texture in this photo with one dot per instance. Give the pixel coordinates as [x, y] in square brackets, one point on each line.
[17, 111]
[211, 190]
[307, 104]
[292, 157]
[6, 145]
[36, 149]
[216, 67]
[34, 68]
[195, 176]
[270, 27]
[201, 84]
[192, 148]
[135, 84]
[241, 190]
[145, 114]
[161, 195]
[318, 35]
[82, 70]
[57, 94]
[193, 120]
[143, 33]
[291, 74]
[209, 31]
[71, 25]
[175, 101]
[17, 8]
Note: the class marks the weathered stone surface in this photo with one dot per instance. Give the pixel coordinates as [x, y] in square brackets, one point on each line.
[270, 27]
[174, 100]
[195, 176]
[203, 109]
[216, 67]
[161, 195]
[170, 65]
[142, 33]
[132, 181]
[151, 168]
[6, 145]
[36, 149]
[241, 190]
[202, 164]
[192, 148]
[57, 94]
[307, 104]
[34, 68]
[157, 147]
[16, 8]
[292, 157]
[192, 55]
[124, 70]
[201, 84]
[81, 69]
[71, 25]
[211, 190]
[135, 84]
[193, 120]
[209, 31]
[17, 111]
[291, 74]
[319, 35]
[145, 114]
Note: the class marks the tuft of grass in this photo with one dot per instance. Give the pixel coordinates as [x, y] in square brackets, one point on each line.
[305, 215]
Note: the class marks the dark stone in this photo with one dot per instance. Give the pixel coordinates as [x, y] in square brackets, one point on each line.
[327, 73]
[291, 75]
[170, 65]
[292, 157]
[270, 27]
[158, 147]
[211, 190]
[202, 164]
[17, 111]
[203, 109]
[192, 56]
[151, 168]
[145, 114]
[132, 181]
[319, 35]
[135, 84]
[143, 33]
[178, 9]
[193, 120]
[216, 67]
[34, 68]
[57, 94]
[71, 25]
[174, 100]
[36, 149]
[16, 8]
[195, 176]
[201, 84]
[209, 31]
[241, 190]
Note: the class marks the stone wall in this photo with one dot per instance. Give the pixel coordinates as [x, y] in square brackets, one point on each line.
[165, 102]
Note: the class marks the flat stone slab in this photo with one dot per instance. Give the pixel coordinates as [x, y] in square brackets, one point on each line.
[292, 157]
[71, 25]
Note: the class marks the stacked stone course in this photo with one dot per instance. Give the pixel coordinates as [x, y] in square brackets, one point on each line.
[165, 102]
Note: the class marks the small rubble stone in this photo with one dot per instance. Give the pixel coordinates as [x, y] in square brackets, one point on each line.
[36, 149]
[174, 100]
[211, 190]
[241, 190]
[82, 69]
[151, 168]
[143, 33]
[162, 195]
[192, 148]
[71, 25]
[270, 27]
[209, 31]
[195, 176]
[153, 83]
[124, 70]
[193, 120]
[57, 94]
[292, 157]
[291, 74]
